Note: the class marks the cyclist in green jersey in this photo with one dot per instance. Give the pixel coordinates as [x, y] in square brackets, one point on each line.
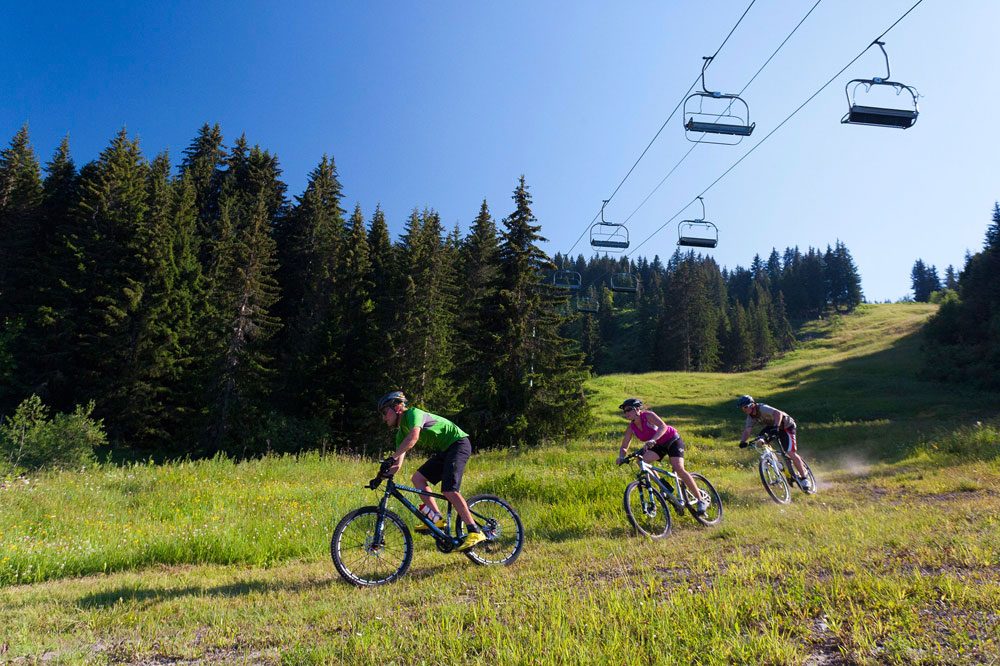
[446, 466]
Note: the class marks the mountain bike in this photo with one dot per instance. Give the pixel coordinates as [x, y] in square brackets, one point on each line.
[776, 470]
[373, 546]
[646, 499]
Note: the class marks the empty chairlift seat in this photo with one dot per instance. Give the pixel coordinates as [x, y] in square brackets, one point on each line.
[566, 280]
[715, 117]
[699, 232]
[624, 283]
[609, 236]
[880, 116]
[587, 304]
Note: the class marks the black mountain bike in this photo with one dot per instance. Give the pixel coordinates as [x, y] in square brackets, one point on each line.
[777, 472]
[373, 546]
[646, 499]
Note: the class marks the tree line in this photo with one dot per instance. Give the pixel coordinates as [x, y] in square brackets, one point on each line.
[201, 309]
[963, 337]
[204, 311]
[689, 314]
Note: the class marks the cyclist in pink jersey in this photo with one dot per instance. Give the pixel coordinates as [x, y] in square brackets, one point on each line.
[660, 440]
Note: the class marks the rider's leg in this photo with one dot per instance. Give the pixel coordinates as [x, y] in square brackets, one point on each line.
[460, 505]
[456, 456]
[651, 457]
[789, 443]
[421, 483]
[678, 464]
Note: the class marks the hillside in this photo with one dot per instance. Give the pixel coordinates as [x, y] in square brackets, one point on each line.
[895, 560]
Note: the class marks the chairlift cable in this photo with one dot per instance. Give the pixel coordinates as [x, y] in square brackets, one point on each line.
[662, 127]
[742, 90]
[779, 126]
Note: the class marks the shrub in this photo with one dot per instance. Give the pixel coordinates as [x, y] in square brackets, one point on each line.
[30, 440]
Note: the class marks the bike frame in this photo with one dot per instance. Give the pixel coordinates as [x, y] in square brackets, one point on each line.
[674, 496]
[445, 540]
[768, 452]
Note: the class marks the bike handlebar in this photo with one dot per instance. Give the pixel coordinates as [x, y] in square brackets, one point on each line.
[383, 473]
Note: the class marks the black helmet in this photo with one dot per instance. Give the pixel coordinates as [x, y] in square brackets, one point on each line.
[630, 403]
[390, 398]
[743, 401]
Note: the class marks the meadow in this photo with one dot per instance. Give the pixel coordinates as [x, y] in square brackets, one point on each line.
[896, 560]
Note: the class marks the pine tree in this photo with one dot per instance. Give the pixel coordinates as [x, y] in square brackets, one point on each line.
[738, 349]
[111, 209]
[236, 367]
[538, 374]
[46, 350]
[314, 283]
[360, 338]
[480, 273]
[20, 220]
[427, 314]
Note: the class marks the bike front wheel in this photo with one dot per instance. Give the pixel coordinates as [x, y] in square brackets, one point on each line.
[500, 524]
[647, 510]
[363, 558]
[713, 514]
[812, 479]
[774, 481]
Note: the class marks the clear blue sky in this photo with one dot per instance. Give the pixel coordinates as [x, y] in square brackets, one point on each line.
[444, 104]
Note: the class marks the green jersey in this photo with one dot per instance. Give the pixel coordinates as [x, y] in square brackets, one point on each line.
[436, 433]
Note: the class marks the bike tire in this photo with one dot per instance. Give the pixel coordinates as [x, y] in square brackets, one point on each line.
[812, 480]
[356, 557]
[713, 514]
[647, 510]
[774, 482]
[502, 527]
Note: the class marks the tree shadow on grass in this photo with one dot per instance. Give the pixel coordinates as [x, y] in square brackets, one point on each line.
[148, 597]
[876, 406]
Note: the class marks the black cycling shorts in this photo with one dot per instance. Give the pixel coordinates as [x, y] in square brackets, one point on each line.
[446, 467]
[672, 449]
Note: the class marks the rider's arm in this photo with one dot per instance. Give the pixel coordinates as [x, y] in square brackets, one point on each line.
[625, 442]
[408, 443]
[747, 429]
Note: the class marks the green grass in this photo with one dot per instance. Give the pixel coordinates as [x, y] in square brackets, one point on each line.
[895, 560]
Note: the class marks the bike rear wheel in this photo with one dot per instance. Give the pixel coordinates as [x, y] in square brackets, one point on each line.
[647, 510]
[774, 481]
[713, 514]
[360, 558]
[501, 525]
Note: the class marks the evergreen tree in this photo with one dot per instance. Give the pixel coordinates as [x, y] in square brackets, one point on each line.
[428, 314]
[237, 369]
[538, 373]
[738, 348]
[360, 337]
[924, 280]
[20, 220]
[314, 282]
[480, 272]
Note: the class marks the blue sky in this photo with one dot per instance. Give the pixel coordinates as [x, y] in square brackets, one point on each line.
[444, 104]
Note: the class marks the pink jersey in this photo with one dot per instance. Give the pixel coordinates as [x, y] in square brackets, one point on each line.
[645, 430]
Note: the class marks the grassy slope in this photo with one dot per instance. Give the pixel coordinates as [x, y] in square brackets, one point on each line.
[896, 560]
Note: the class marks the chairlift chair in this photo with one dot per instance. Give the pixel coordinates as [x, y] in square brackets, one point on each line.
[624, 283]
[724, 116]
[608, 236]
[567, 280]
[699, 232]
[587, 304]
[858, 114]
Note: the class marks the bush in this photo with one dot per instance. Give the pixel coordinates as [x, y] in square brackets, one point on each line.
[30, 440]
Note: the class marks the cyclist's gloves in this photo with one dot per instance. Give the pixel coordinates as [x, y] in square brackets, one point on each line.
[620, 461]
[744, 444]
